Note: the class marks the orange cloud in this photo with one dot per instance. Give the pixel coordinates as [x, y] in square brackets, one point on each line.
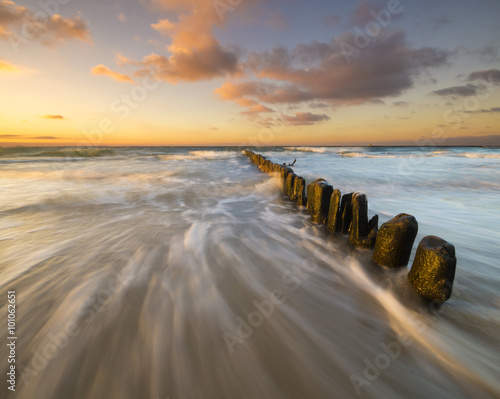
[256, 110]
[59, 29]
[239, 92]
[188, 65]
[6, 67]
[20, 25]
[10, 12]
[48, 116]
[305, 118]
[104, 70]
[164, 26]
[194, 53]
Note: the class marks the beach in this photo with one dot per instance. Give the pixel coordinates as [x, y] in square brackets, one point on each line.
[182, 272]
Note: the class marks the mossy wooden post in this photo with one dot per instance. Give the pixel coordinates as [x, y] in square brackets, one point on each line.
[394, 241]
[333, 224]
[433, 269]
[285, 171]
[319, 193]
[299, 191]
[360, 235]
[346, 213]
[290, 181]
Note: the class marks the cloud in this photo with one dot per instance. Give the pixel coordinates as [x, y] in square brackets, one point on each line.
[320, 72]
[44, 138]
[57, 117]
[122, 17]
[202, 64]
[10, 12]
[305, 118]
[20, 25]
[235, 92]
[7, 67]
[460, 91]
[401, 103]
[9, 136]
[105, 71]
[164, 26]
[257, 109]
[194, 52]
[316, 105]
[488, 53]
[59, 29]
[485, 111]
[240, 93]
[491, 75]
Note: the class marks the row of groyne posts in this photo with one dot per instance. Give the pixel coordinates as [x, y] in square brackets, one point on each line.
[433, 269]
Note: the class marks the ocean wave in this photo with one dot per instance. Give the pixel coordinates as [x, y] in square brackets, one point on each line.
[36, 152]
[417, 154]
[479, 155]
[320, 150]
[355, 154]
[200, 154]
[350, 154]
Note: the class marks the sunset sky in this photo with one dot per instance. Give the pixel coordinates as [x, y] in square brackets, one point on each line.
[249, 72]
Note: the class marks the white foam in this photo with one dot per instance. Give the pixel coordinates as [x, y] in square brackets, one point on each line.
[320, 150]
[478, 155]
[201, 154]
[270, 186]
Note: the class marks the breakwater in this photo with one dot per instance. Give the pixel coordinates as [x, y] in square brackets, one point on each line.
[433, 269]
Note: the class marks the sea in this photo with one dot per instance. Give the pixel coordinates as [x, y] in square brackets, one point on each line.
[183, 273]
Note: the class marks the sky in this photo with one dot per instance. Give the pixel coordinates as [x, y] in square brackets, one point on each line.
[249, 72]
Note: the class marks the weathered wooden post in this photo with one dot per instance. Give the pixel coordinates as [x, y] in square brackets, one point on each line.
[360, 235]
[319, 193]
[433, 269]
[394, 241]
